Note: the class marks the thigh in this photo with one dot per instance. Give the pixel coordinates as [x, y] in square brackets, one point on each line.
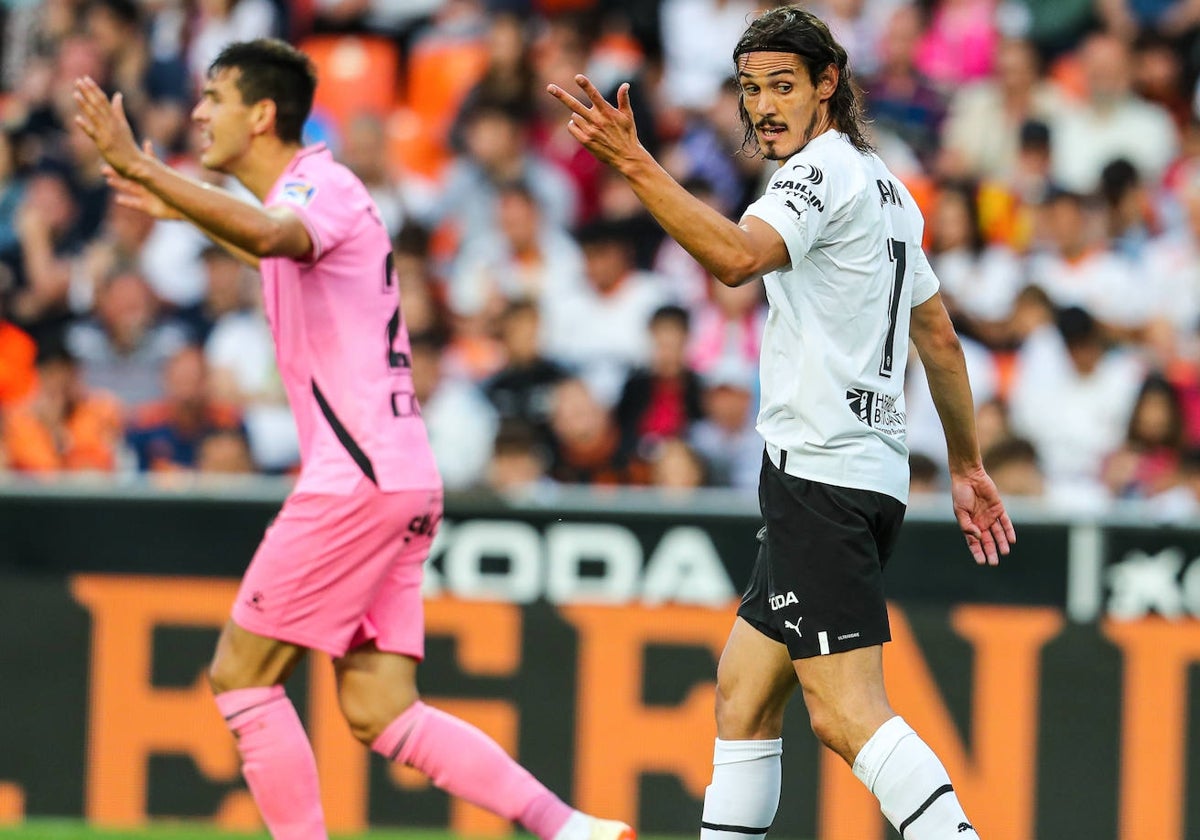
[755, 680]
[825, 560]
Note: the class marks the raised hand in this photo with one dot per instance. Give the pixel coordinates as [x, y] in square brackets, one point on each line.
[981, 516]
[133, 195]
[105, 123]
[607, 132]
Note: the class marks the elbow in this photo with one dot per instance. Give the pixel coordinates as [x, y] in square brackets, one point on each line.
[738, 272]
[267, 242]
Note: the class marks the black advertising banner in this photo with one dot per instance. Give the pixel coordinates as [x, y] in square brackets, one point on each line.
[1060, 689]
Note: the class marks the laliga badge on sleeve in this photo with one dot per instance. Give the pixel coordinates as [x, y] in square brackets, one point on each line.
[299, 193]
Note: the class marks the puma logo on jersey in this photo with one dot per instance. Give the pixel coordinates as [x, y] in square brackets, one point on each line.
[964, 827]
[795, 626]
[778, 602]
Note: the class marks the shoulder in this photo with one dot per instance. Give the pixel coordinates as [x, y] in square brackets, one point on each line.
[827, 166]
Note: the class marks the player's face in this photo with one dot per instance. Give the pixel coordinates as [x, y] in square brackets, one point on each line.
[783, 104]
[224, 120]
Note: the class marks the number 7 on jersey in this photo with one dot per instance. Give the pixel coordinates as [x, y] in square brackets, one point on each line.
[899, 257]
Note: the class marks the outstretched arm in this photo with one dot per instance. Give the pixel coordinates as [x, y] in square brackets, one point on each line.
[977, 504]
[733, 253]
[269, 232]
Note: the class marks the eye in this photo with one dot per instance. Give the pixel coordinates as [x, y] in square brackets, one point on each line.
[750, 90]
[784, 88]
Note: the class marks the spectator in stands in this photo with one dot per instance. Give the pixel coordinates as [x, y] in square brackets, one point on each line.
[676, 468]
[62, 426]
[528, 256]
[1075, 268]
[154, 83]
[41, 261]
[979, 282]
[924, 475]
[509, 79]
[960, 42]
[662, 399]
[519, 461]
[222, 22]
[1013, 464]
[18, 356]
[698, 37]
[522, 390]
[600, 330]
[1172, 269]
[858, 25]
[728, 326]
[901, 100]
[1128, 211]
[461, 422]
[241, 357]
[982, 131]
[725, 436]
[1076, 413]
[1145, 464]
[125, 344]
[1158, 76]
[12, 188]
[587, 443]
[425, 310]
[364, 151]
[224, 452]
[166, 435]
[1111, 122]
[496, 153]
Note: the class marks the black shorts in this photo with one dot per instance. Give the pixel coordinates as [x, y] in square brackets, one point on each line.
[817, 584]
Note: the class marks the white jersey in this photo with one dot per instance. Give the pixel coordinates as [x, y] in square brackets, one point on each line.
[836, 340]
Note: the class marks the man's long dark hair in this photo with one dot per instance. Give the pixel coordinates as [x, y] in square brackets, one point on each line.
[793, 30]
[271, 69]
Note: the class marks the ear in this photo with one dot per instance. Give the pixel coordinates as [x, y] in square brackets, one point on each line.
[262, 117]
[827, 82]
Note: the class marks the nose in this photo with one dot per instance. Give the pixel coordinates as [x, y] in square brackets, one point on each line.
[198, 111]
[763, 104]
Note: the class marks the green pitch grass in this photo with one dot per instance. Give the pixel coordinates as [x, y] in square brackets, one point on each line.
[73, 830]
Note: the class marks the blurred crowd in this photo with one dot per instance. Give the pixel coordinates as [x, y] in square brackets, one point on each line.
[558, 337]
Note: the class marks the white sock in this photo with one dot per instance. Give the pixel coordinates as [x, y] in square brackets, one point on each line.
[577, 827]
[740, 803]
[912, 786]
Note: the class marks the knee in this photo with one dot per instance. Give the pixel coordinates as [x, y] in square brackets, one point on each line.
[741, 717]
[370, 709]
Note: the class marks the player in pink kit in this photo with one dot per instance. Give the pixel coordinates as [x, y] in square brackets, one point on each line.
[340, 568]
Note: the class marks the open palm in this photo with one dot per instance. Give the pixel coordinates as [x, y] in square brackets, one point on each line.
[982, 517]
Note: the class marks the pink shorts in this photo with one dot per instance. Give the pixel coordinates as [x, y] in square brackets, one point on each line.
[333, 572]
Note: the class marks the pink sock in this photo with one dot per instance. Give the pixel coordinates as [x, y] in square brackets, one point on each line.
[277, 761]
[465, 762]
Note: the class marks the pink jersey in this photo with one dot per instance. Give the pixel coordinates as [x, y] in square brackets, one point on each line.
[341, 340]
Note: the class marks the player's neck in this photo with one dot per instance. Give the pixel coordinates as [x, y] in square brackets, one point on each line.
[261, 166]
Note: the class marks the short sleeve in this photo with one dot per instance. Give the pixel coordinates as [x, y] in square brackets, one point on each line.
[328, 217]
[925, 282]
[797, 205]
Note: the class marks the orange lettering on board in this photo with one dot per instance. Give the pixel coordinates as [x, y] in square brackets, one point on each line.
[1157, 656]
[12, 803]
[996, 782]
[618, 737]
[129, 719]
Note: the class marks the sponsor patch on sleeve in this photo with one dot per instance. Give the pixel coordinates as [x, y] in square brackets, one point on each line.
[299, 193]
